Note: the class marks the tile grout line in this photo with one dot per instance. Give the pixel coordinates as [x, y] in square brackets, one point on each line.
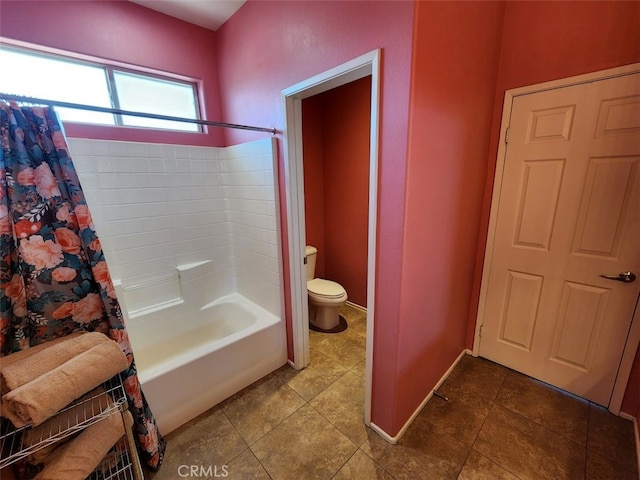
[333, 425]
[284, 383]
[347, 370]
[249, 445]
[526, 419]
[277, 424]
[493, 402]
[345, 462]
[393, 477]
[307, 403]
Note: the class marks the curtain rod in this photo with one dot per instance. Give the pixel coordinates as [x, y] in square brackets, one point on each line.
[117, 111]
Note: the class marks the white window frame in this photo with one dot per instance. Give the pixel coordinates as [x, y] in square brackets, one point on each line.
[109, 69]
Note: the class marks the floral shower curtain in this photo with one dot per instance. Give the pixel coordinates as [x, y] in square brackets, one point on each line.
[53, 273]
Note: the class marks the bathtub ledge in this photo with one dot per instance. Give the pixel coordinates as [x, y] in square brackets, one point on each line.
[190, 266]
[155, 308]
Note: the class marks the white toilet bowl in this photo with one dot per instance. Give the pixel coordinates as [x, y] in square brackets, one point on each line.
[325, 296]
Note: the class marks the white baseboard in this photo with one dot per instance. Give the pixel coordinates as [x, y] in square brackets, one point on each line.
[356, 306]
[636, 434]
[394, 440]
[385, 435]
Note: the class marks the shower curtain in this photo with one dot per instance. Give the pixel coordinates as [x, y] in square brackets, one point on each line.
[53, 273]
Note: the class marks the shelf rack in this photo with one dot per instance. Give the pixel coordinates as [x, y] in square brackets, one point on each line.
[117, 465]
[109, 399]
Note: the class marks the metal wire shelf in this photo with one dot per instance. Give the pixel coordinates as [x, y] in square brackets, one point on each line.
[17, 444]
[117, 465]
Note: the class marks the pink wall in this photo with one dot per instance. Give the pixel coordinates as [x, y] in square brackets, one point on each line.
[336, 126]
[313, 154]
[463, 61]
[346, 176]
[268, 46]
[122, 32]
[545, 41]
[455, 59]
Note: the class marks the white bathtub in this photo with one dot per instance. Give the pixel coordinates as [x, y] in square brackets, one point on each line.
[188, 362]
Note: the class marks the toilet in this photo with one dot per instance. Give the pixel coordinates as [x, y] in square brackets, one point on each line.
[325, 296]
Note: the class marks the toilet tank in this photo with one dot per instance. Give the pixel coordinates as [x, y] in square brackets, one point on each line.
[310, 255]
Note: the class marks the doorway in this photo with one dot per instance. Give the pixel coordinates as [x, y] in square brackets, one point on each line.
[365, 65]
[335, 131]
[562, 216]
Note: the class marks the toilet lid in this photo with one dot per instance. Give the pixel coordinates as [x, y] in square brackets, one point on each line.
[326, 288]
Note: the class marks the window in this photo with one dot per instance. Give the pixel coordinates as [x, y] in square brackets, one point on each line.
[142, 93]
[58, 78]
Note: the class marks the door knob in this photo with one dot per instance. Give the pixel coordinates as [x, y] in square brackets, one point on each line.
[626, 277]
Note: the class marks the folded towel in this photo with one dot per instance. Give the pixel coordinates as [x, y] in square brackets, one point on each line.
[33, 362]
[132, 449]
[9, 413]
[41, 398]
[87, 407]
[76, 459]
[16, 356]
[112, 462]
[9, 473]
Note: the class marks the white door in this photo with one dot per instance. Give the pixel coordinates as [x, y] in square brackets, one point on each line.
[568, 212]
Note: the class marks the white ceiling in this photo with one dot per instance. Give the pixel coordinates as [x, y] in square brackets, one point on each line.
[209, 14]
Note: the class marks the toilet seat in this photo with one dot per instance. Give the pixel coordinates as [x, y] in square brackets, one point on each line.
[325, 289]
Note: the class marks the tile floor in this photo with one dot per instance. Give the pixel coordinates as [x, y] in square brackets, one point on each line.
[497, 425]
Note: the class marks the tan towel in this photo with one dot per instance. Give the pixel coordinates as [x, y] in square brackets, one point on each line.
[13, 357]
[76, 459]
[16, 356]
[38, 360]
[126, 444]
[87, 407]
[9, 413]
[111, 465]
[41, 398]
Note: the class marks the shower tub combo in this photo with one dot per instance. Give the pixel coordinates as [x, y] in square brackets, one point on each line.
[186, 367]
[192, 234]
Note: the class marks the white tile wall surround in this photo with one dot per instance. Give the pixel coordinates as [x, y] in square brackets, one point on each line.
[159, 207]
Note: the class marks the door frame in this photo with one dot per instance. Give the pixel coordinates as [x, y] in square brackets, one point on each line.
[360, 67]
[633, 337]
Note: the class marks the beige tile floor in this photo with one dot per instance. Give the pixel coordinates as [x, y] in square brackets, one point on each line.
[497, 424]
